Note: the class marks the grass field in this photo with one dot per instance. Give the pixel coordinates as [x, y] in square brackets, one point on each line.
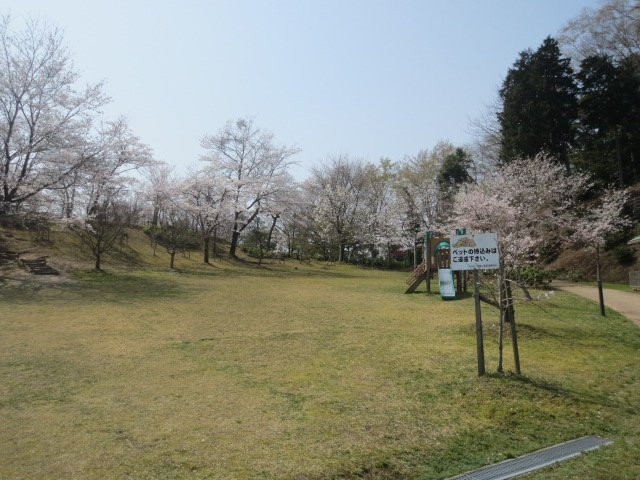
[302, 372]
[624, 287]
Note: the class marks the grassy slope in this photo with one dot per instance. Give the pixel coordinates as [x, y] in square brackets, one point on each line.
[579, 265]
[298, 371]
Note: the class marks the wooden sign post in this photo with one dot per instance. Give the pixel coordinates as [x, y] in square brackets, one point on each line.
[475, 252]
[479, 338]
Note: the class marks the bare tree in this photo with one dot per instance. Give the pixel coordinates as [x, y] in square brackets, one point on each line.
[43, 118]
[613, 29]
[487, 140]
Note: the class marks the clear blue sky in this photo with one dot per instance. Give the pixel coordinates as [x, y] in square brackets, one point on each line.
[367, 78]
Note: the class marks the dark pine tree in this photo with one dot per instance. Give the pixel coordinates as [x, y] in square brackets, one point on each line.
[609, 112]
[454, 170]
[539, 105]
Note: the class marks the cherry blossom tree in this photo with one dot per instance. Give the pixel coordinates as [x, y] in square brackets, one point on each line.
[253, 166]
[175, 230]
[206, 198]
[337, 191]
[44, 118]
[296, 223]
[593, 224]
[156, 189]
[526, 202]
[274, 207]
[107, 181]
[101, 230]
[383, 226]
[117, 153]
[418, 189]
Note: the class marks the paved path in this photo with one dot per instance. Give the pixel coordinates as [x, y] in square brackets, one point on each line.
[627, 303]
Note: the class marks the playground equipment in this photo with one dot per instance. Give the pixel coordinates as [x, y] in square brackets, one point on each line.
[445, 282]
[436, 258]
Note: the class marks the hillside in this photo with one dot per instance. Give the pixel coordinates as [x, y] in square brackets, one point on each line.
[64, 252]
[579, 264]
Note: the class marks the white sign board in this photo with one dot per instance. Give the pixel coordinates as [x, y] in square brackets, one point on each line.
[475, 252]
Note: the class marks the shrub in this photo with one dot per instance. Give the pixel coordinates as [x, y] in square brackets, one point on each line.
[535, 276]
[624, 254]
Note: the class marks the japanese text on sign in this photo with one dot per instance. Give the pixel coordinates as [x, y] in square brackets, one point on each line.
[475, 252]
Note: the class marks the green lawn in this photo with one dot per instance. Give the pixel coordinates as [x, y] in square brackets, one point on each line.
[300, 372]
[625, 287]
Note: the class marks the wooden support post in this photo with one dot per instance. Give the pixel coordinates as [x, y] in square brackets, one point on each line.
[479, 340]
[501, 308]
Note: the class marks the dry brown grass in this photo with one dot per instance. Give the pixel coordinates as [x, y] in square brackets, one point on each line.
[298, 371]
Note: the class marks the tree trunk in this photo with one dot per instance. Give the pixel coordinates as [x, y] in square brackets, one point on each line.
[156, 213]
[273, 225]
[97, 261]
[173, 254]
[235, 235]
[71, 203]
[415, 255]
[512, 324]
[619, 159]
[205, 250]
[599, 280]
[215, 241]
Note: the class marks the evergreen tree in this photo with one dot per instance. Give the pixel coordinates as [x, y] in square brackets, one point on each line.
[454, 171]
[539, 105]
[609, 111]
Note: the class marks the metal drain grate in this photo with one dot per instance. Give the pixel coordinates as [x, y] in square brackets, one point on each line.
[535, 460]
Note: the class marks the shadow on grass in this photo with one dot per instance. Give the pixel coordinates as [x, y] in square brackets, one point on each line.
[124, 287]
[583, 396]
[265, 271]
[532, 331]
[96, 286]
[467, 450]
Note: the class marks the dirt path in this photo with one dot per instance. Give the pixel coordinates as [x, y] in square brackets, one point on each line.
[627, 303]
